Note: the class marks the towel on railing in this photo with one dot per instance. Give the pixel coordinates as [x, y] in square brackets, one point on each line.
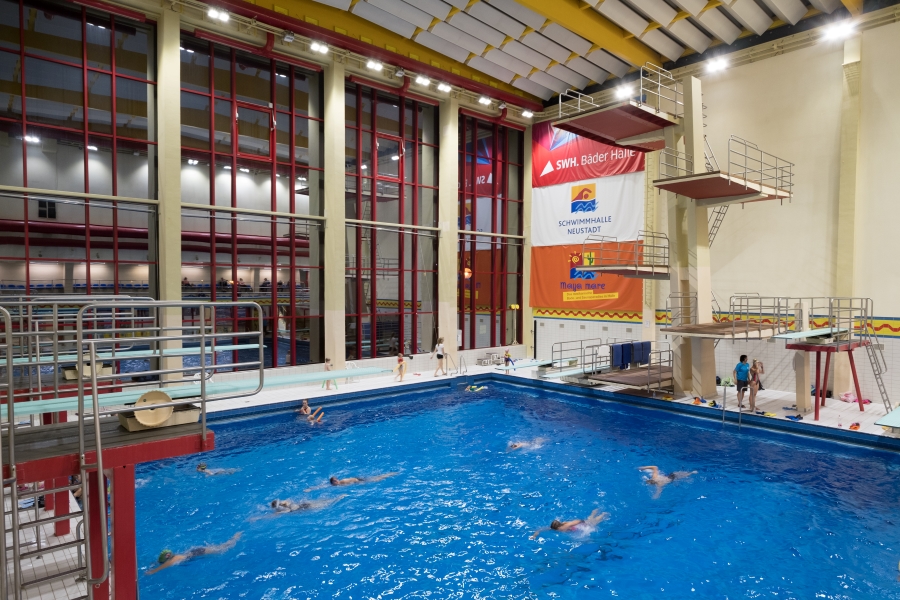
[616, 355]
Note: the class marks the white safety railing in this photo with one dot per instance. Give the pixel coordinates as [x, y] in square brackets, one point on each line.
[661, 91]
[748, 162]
[673, 163]
[648, 254]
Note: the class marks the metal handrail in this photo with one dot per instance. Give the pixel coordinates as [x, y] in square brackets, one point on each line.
[660, 90]
[673, 163]
[681, 309]
[712, 165]
[10, 481]
[748, 312]
[649, 251]
[748, 162]
[664, 358]
[582, 102]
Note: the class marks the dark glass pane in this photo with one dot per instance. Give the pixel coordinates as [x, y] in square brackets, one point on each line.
[485, 146]
[349, 106]
[194, 121]
[224, 119]
[135, 50]
[409, 156]
[54, 93]
[427, 207]
[388, 157]
[388, 115]
[253, 131]
[9, 24]
[100, 165]
[10, 85]
[428, 165]
[133, 101]
[99, 102]
[99, 53]
[366, 163]
[195, 169]
[283, 137]
[253, 80]
[282, 87]
[53, 31]
[408, 123]
[55, 159]
[222, 73]
[309, 188]
[194, 65]
[427, 126]
[11, 165]
[366, 109]
[135, 174]
[301, 141]
[350, 150]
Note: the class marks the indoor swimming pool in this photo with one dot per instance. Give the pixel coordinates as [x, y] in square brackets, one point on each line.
[766, 515]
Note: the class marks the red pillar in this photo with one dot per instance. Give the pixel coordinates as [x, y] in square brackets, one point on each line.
[859, 397]
[818, 385]
[825, 378]
[95, 489]
[124, 551]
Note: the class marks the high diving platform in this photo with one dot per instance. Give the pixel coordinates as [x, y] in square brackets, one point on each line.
[752, 175]
[645, 258]
[637, 118]
[749, 317]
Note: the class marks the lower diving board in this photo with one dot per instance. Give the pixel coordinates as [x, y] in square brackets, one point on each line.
[799, 335]
[524, 364]
[221, 389]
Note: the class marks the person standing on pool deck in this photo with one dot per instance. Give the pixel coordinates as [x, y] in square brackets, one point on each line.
[401, 366]
[328, 367]
[741, 377]
[576, 525]
[508, 359]
[755, 371]
[660, 480]
[439, 350]
[167, 558]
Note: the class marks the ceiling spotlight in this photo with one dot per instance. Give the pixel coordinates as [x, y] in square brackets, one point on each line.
[223, 16]
[527, 114]
[624, 92]
[374, 65]
[502, 105]
[288, 37]
[319, 47]
[717, 64]
[301, 179]
[192, 161]
[213, 13]
[244, 170]
[92, 148]
[395, 157]
[227, 167]
[364, 167]
[839, 31]
[484, 100]
[422, 80]
[32, 139]
[399, 73]
[444, 87]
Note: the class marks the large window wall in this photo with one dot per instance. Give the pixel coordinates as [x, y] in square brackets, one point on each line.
[390, 179]
[490, 202]
[251, 136]
[76, 114]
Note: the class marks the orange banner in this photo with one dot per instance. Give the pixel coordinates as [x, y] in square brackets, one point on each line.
[556, 282]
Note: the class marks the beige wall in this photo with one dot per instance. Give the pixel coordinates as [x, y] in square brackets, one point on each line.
[879, 167]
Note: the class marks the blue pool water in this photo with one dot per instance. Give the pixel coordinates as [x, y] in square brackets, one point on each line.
[766, 516]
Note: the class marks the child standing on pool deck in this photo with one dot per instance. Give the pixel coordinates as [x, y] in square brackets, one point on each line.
[508, 359]
[328, 367]
[401, 366]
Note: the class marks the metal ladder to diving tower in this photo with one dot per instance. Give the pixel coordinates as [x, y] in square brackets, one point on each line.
[876, 355]
[718, 213]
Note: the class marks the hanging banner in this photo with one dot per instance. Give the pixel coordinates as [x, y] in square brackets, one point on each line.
[568, 213]
[556, 282]
[559, 156]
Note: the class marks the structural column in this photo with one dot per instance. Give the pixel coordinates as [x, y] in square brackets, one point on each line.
[650, 288]
[448, 215]
[801, 359]
[676, 207]
[168, 102]
[847, 205]
[526, 334]
[334, 212]
[96, 487]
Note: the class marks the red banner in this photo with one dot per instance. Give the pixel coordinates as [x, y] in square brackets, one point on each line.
[562, 157]
[556, 282]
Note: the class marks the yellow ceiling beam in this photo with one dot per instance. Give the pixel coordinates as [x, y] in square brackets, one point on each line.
[335, 19]
[595, 28]
[854, 6]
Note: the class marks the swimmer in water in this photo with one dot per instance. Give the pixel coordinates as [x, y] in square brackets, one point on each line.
[316, 416]
[304, 409]
[167, 558]
[528, 445]
[201, 468]
[576, 525]
[334, 481]
[289, 506]
[660, 480]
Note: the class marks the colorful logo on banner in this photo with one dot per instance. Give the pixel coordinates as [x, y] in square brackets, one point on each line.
[584, 198]
[577, 260]
[557, 282]
[562, 157]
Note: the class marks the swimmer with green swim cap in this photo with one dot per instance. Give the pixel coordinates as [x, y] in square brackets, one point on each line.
[167, 558]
